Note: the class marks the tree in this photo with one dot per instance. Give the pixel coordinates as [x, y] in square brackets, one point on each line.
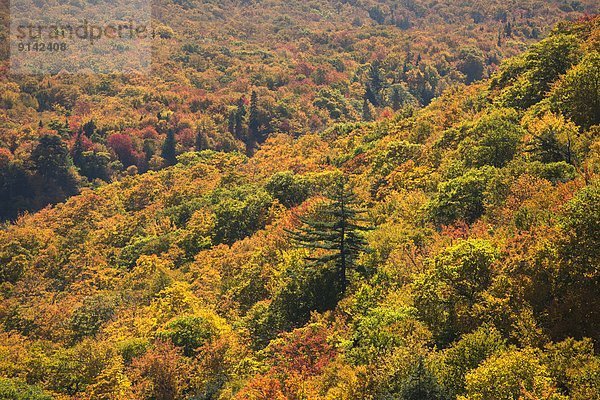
[514, 374]
[15, 186]
[553, 140]
[527, 79]
[124, 148]
[253, 123]
[377, 14]
[367, 114]
[15, 389]
[290, 189]
[447, 293]
[471, 64]
[78, 148]
[374, 84]
[169, 152]
[461, 198]
[421, 385]
[53, 164]
[465, 355]
[201, 141]
[400, 96]
[240, 115]
[87, 319]
[577, 95]
[160, 373]
[188, 332]
[51, 158]
[493, 140]
[575, 311]
[335, 231]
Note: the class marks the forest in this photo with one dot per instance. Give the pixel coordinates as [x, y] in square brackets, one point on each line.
[226, 75]
[389, 201]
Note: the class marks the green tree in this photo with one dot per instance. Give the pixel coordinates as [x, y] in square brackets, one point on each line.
[169, 152]
[290, 189]
[189, 333]
[554, 140]
[465, 355]
[14, 389]
[446, 294]
[88, 319]
[253, 123]
[527, 79]
[471, 64]
[201, 142]
[493, 140]
[335, 231]
[367, 114]
[575, 310]
[577, 95]
[374, 85]
[51, 158]
[53, 164]
[461, 198]
[421, 384]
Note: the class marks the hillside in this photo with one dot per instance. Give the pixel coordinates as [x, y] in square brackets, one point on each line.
[228, 74]
[477, 279]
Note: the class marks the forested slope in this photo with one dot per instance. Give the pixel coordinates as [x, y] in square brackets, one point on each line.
[471, 271]
[228, 74]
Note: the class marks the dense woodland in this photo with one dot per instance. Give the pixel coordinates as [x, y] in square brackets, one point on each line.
[446, 249]
[226, 75]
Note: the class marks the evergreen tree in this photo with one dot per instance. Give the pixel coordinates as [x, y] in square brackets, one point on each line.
[201, 141]
[78, 149]
[52, 163]
[89, 128]
[231, 122]
[253, 123]
[374, 85]
[508, 30]
[421, 385]
[240, 115]
[396, 99]
[335, 230]
[51, 158]
[367, 115]
[169, 152]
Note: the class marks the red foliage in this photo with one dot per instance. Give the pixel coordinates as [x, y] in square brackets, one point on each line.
[124, 148]
[86, 143]
[186, 137]
[304, 351]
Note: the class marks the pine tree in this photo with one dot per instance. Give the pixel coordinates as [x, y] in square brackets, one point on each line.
[367, 115]
[421, 384]
[508, 31]
[201, 141]
[396, 99]
[231, 122]
[253, 122]
[78, 149]
[89, 128]
[240, 115]
[169, 152]
[374, 85]
[335, 230]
